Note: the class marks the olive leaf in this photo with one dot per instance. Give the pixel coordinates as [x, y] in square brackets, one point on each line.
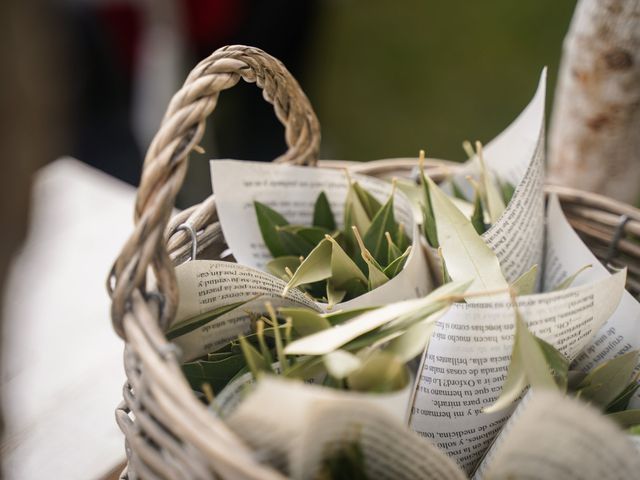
[413, 192]
[456, 190]
[412, 342]
[393, 251]
[383, 222]
[528, 367]
[255, 361]
[557, 363]
[444, 274]
[322, 213]
[626, 418]
[376, 274]
[507, 190]
[305, 321]
[280, 266]
[317, 266]
[567, 282]
[340, 364]
[354, 214]
[369, 202]
[621, 402]
[380, 372]
[525, 284]
[428, 219]
[268, 221]
[293, 242]
[493, 195]
[464, 251]
[334, 296]
[395, 267]
[343, 268]
[477, 217]
[332, 339]
[605, 382]
[216, 373]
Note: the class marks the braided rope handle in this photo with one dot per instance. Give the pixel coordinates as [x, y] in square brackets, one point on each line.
[165, 164]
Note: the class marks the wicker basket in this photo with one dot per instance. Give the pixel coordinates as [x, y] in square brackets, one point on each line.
[169, 433]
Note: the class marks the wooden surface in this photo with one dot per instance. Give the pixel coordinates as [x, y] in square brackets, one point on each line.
[63, 372]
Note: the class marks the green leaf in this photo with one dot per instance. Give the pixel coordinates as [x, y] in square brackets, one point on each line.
[513, 385]
[334, 338]
[400, 238]
[556, 362]
[255, 361]
[341, 316]
[456, 190]
[316, 267]
[369, 202]
[428, 219]
[395, 267]
[322, 214]
[305, 321]
[413, 191]
[626, 418]
[535, 361]
[444, 274]
[464, 251]
[374, 238]
[607, 381]
[507, 190]
[376, 275]
[216, 373]
[343, 269]
[334, 296]
[355, 213]
[528, 367]
[621, 402]
[567, 282]
[314, 235]
[268, 220]
[190, 324]
[380, 372]
[412, 342]
[340, 364]
[393, 251]
[525, 284]
[477, 218]
[278, 266]
[294, 243]
[493, 195]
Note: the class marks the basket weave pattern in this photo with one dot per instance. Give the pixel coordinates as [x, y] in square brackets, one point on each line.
[168, 432]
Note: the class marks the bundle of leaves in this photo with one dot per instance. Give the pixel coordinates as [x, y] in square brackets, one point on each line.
[534, 362]
[490, 196]
[369, 350]
[332, 264]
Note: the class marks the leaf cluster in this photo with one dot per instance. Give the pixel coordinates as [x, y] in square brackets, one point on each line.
[368, 351]
[334, 264]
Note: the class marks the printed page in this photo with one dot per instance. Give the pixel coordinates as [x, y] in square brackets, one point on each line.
[554, 436]
[306, 424]
[566, 253]
[469, 355]
[517, 156]
[206, 285]
[292, 191]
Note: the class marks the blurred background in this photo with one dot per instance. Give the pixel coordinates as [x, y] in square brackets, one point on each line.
[91, 79]
[386, 78]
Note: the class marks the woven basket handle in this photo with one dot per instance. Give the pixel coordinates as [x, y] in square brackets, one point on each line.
[165, 164]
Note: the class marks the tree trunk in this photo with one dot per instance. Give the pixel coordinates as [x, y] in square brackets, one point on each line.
[594, 142]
